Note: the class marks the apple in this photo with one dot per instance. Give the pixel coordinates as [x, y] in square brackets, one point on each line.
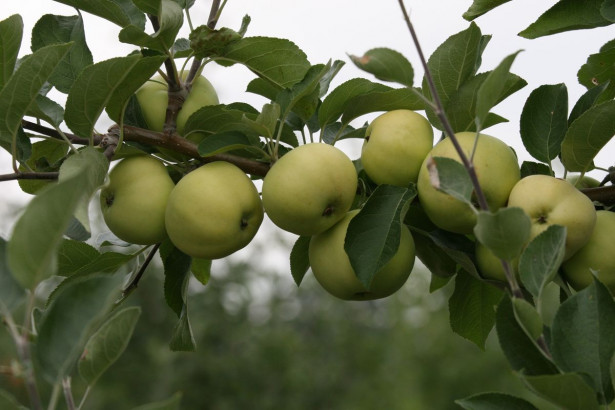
[153, 99]
[582, 182]
[597, 255]
[213, 211]
[490, 266]
[497, 171]
[396, 143]
[134, 200]
[331, 266]
[309, 189]
[548, 201]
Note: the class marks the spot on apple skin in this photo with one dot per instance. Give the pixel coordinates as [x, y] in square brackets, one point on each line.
[109, 198]
[244, 223]
[329, 210]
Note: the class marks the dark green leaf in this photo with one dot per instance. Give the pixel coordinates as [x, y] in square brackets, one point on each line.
[182, 339]
[171, 403]
[528, 318]
[472, 308]
[24, 85]
[207, 42]
[105, 262]
[45, 157]
[490, 401]
[72, 255]
[567, 15]
[9, 402]
[107, 344]
[11, 33]
[336, 131]
[480, 7]
[386, 100]
[608, 10]
[544, 121]
[11, 294]
[533, 168]
[201, 270]
[567, 390]
[505, 232]
[46, 110]
[451, 177]
[303, 97]
[587, 101]
[226, 141]
[386, 65]
[373, 235]
[587, 135]
[176, 275]
[170, 20]
[598, 70]
[583, 337]
[299, 260]
[542, 258]
[120, 12]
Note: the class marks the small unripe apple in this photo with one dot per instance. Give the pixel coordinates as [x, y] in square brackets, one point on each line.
[396, 143]
[582, 182]
[133, 203]
[213, 211]
[332, 269]
[490, 266]
[309, 189]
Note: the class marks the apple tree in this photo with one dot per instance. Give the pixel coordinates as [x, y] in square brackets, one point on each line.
[530, 254]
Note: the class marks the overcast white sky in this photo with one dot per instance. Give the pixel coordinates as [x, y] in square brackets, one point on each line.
[329, 29]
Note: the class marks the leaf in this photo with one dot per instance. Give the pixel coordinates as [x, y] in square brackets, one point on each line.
[32, 251]
[303, 97]
[224, 142]
[373, 235]
[528, 318]
[505, 232]
[567, 15]
[299, 259]
[201, 270]
[11, 293]
[171, 403]
[500, 401]
[72, 255]
[118, 12]
[46, 156]
[598, 71]
[170, 20]
[47, 110]
[182, 339]
[472, 308]
[491, 90]
[451, 177]
[11, 33]
[51, 29]
[386, 65]
[276, 60]
[107, 344]
[105, 262]
[567, 390]
[480, 7]
[542, 258]
[337, 131]
[587, 135]
[23, 87]
[544, 121]
[386, 100]
[9, 402]
[583, 337]
[587, 101]
[522, 353]
[533, 168]
[68, 319]
[608, 10]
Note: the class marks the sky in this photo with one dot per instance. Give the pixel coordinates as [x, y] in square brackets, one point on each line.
[332, 29]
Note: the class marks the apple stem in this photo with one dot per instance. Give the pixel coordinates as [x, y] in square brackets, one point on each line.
[135, 281]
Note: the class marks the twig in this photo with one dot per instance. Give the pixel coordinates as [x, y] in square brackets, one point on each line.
[135, 282]
[50, 132]
[29, 175]
[68, 394]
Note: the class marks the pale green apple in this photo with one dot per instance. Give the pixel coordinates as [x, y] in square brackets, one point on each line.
[153, 99]
[396, 143]
[331, 265]
[497, 171]
[133, 202]
[309, 189]
[213, 211]
[490, 266]
[597, 255]
[582, 182]
[551, 201]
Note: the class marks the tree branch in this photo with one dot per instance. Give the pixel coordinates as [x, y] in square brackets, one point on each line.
[604, 194]
[50, 132]
[29, 175]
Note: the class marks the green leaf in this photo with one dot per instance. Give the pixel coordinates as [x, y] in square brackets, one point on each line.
[72, 255]
[598, 70]
[386, 65]
[373, 235]
[24, 85]
[542, 258]
[226, 141]
[46, 110]
[587, 101]
[207, 42]
[11, 293]
[522, 353]
[201, 270]
[171, 403]
[105, 262]
[119, 12]
[500, 401]
[587, 135]
[533, 168]
[505, 232]
[451, 177]
[11, 33]
[276, 60]
[68, 319]
[32, 251]
[491, 90]
[386, 100]
[583, 337]
[182, 339]
[337, 131]
[303, 97]
[170, 20]
[107, 83]
[608, 10]
[51, 29]
[544, 121]
[9, 402]
[107, 344]
[45, 157]
[480, 7]
[472, 308]
[299, 259]
[567, 15]
[176, 274]
[528, 318]
[567, 390]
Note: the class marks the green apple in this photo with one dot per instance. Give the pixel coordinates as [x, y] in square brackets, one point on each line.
[597, 255]
[497, 171]
[490, 266]
[582, 182]
[396, 143]
[213, 211]
[134, 200]
[331, 265]
[552, 201]
[153, 99]
[309, 189]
